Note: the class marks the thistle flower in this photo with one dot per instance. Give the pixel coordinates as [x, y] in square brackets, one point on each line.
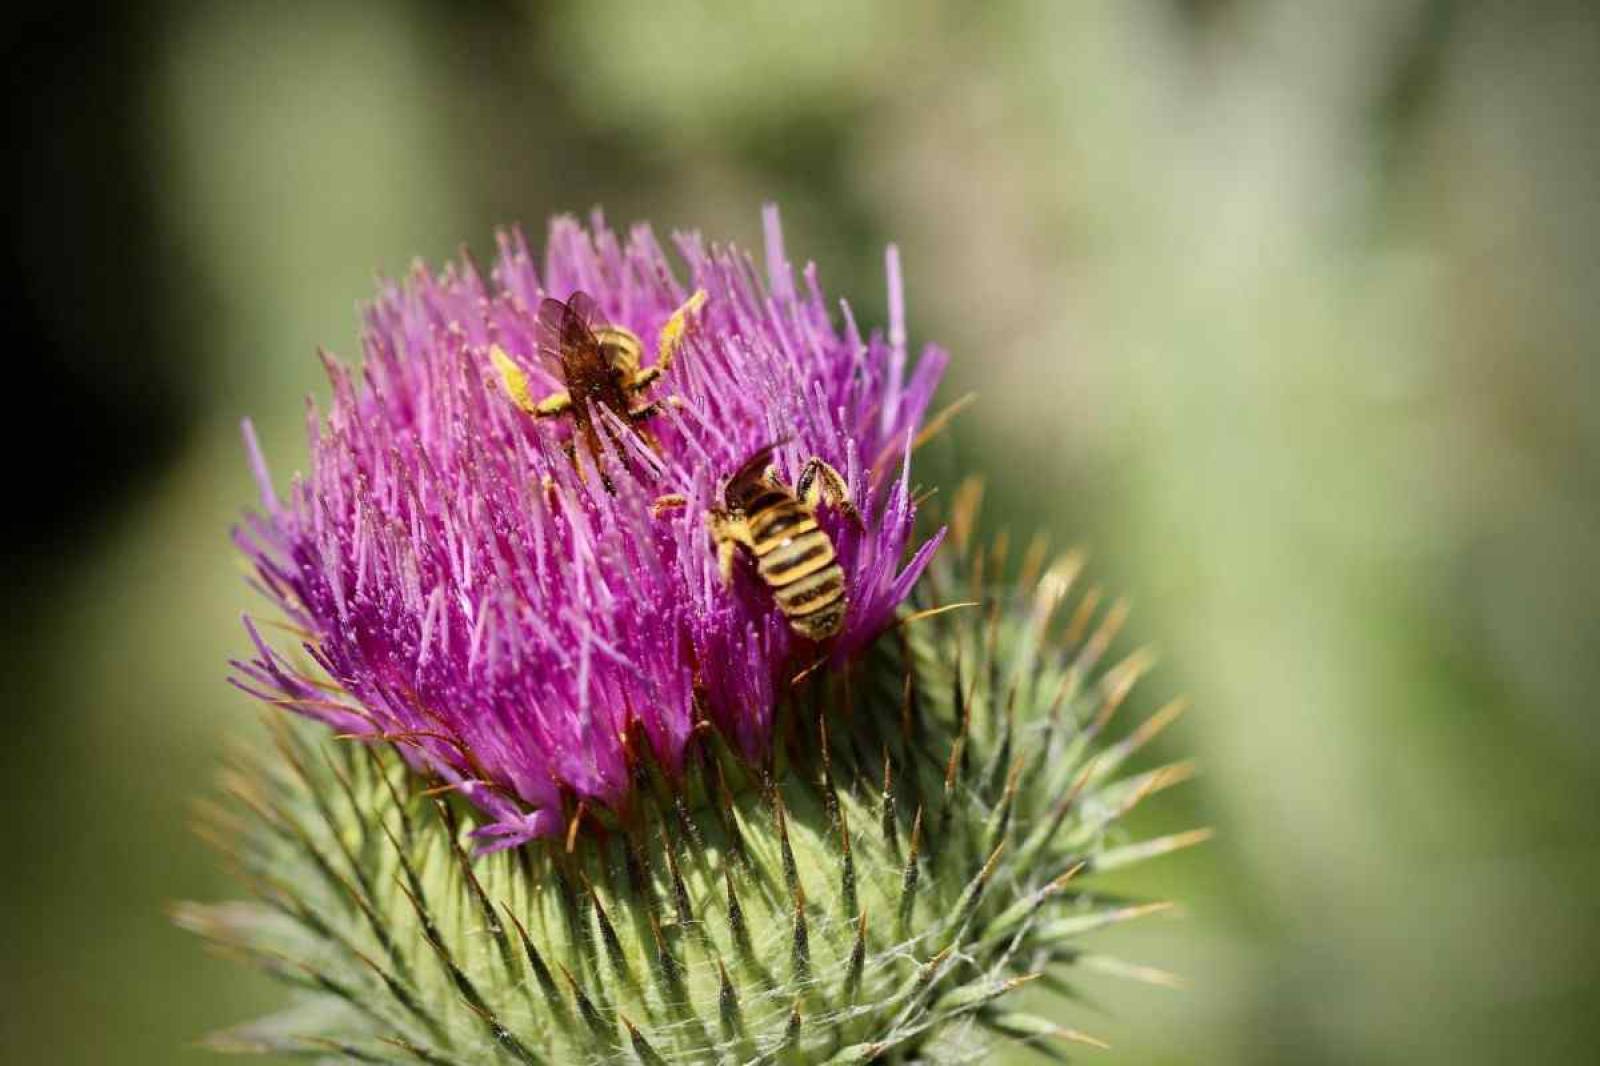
[513, 621]
[593, 805]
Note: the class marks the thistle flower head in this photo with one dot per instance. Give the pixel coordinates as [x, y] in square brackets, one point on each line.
[811, 842]
[498, 592]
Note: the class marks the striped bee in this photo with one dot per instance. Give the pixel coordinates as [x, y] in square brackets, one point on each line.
[599, 364]
[793, 555]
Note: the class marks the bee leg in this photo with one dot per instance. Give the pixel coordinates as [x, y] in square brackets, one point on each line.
[671, 336]
[729, 532]
[645, 378]
[648, 411]
[512, 379]
[571, 450]
[672, 501]
[819, 481]
[515, 383]
[553, 405]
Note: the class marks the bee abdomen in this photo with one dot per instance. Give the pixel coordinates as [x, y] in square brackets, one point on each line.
[814, 604]
[777, 519]
[796, 561]
[791, 558]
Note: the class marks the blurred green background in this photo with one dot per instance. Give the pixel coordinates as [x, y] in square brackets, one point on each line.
[1287, 310]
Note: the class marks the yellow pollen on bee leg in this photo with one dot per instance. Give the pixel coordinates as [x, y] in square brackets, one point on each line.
[512, 377]
[672, 332]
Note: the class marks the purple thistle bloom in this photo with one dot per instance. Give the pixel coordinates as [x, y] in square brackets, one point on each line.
[486, 592]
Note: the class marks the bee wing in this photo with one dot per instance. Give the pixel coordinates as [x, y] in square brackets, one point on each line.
[564, 331]
[757, 464]
[548, 327]
[582, 305]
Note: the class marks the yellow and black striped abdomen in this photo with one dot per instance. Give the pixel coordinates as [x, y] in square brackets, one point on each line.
[796, 560]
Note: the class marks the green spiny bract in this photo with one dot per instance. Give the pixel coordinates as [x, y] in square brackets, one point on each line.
[918, 846]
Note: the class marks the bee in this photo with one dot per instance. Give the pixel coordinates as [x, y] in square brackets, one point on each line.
[777, 525]
[599, 363]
